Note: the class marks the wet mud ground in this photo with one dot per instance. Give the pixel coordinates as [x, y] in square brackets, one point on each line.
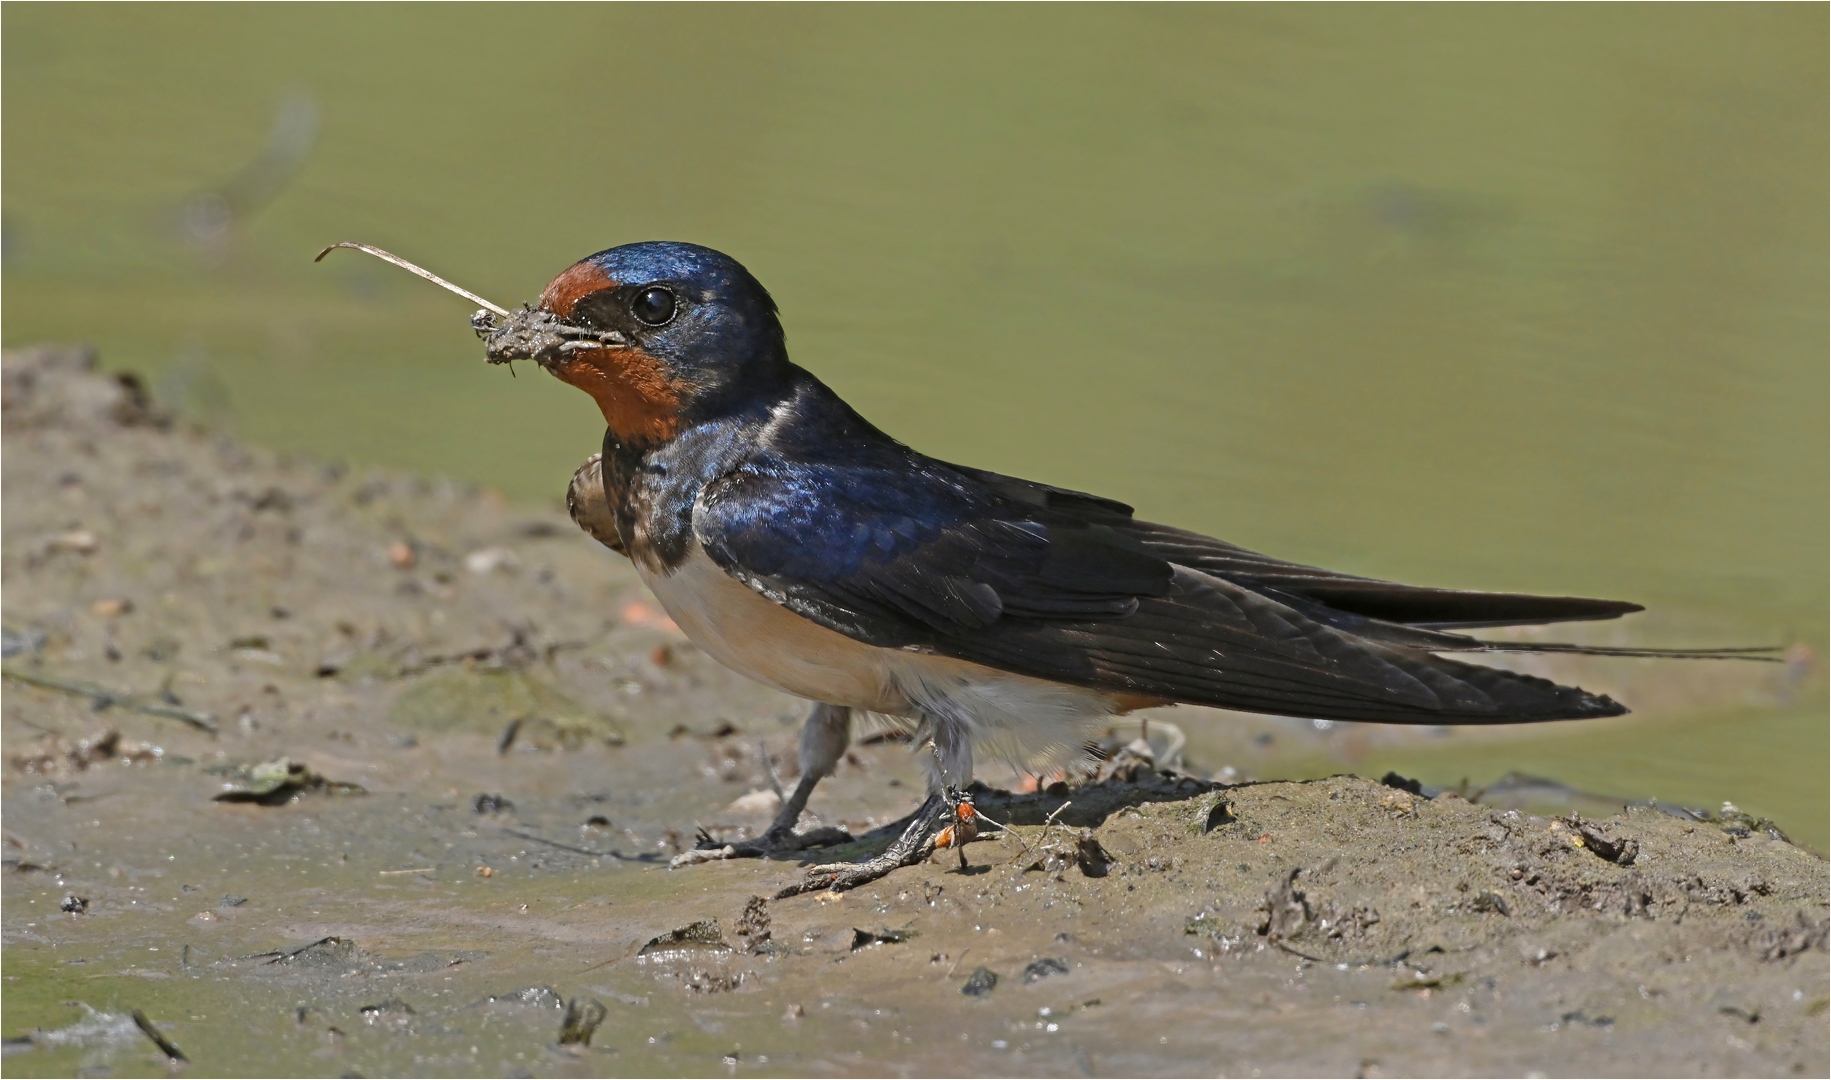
[458, 747]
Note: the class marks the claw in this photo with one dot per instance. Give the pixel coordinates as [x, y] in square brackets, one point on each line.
[770, 843]
[912, 847]
[700, 855]
[840, 877]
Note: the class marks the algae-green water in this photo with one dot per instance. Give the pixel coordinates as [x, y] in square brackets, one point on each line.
[1508, 297]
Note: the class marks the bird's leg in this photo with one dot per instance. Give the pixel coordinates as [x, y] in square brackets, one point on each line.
[824, 739]
[950, 770]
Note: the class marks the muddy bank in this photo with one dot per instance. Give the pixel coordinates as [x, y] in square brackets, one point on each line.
[326, 772]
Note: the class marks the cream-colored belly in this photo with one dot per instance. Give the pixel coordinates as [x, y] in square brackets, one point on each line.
[755, 636]
[1026, 718]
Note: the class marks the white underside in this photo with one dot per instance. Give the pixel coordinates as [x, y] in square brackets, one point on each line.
[1030, 722]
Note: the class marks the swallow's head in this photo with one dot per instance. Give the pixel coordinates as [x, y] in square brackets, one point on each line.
[657, 333]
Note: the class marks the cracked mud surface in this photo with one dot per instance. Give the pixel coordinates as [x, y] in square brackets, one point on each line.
[462, 746]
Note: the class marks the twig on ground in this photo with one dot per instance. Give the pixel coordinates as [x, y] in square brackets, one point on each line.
[1044, 831]
[164, 1044]
[613, 853]
[104, 698]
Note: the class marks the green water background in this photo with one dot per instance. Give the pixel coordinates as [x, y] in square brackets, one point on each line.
[1490, 296]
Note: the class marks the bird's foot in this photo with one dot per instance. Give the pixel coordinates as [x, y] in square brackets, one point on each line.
[916, 843]
[838, 877]
[777, 841]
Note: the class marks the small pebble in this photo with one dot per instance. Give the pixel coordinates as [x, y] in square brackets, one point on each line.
[81, 541]
[980, 982]
[490, 559]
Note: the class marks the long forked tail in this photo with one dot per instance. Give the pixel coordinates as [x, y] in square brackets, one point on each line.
[1437, 639]
[1764, 654]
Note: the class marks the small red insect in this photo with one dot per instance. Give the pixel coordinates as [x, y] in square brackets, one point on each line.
[965, 828]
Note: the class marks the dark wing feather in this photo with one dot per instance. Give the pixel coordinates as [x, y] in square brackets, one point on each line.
[896, 555]
[1213, 642]
[1388, 601]
[1057, 585]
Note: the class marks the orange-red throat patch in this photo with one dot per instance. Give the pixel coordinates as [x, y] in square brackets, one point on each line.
[639, 402]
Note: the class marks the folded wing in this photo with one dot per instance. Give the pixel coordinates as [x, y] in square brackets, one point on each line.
[1389, 601]
[1051, 583]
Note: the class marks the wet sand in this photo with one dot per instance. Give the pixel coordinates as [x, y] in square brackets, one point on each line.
[460, 746]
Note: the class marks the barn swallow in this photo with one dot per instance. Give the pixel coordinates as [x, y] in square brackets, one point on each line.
[801, 546]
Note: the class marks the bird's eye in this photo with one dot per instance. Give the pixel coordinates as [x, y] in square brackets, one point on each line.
[653, 306]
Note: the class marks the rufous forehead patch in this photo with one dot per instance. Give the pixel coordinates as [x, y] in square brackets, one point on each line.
[579, 280]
